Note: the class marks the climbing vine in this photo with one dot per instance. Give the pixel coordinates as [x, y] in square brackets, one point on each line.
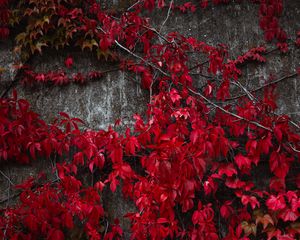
[190, 165]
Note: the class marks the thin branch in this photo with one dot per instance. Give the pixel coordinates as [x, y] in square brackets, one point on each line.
[4, 93]
[247, 92]
[263, 86]
[133, 5]
[198, 65]
[8, 179]
[292, 147]
[230, 113]
[271, 50]
[106, 228]
[136, 56]
[110, 70]
[10, 197]
[157, 33]
[19, 193]
[202, 75]
[142, 59]
[167, 17]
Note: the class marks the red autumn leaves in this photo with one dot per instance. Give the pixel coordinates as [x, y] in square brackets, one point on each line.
[190, 168]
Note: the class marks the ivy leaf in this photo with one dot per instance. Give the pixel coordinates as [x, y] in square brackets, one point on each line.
[20, 38]
[226, 209]
[265, 220]
[89, 44]
[288, 215]
[249, 228]
[276, 202]
[69, 62]
[55, 234]
[38, 47]
[244, 163]
[246, 199]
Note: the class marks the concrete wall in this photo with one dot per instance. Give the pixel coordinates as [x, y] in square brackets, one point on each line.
[118, 95]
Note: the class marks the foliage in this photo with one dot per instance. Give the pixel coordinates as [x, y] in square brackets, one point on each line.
[190, 167]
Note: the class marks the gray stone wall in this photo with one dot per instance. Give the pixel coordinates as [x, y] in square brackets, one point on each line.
[118, 95]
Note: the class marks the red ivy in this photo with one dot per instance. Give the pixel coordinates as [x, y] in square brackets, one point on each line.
[190, 166]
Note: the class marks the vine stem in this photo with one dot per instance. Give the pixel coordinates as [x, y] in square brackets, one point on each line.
[263, 86]
[7, 178]
[135, 55]
[140, 58]
[230, 113]
[167, 17]
[251, 97]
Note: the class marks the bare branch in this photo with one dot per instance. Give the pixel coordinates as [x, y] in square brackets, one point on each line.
[167, 17]
[7, 178]
[133, 5]
[263, 86]
[140, 58]
[157, 33]
[198, 65]
[230, 113]
[294, 149]
[247, 92]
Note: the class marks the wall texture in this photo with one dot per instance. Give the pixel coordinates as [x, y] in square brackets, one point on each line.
[118, 95]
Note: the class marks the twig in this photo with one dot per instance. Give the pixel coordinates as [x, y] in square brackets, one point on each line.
[106, 228]
[202, 75]
[277, 49]
[296, 150]
[4, 93]
[19, 193]
[142, 59]
[133, 5]
[180, 218]
[198, 65]
[8, 179]
[263, 86]
[230, 113]
[136, 56]
[247, 92]
[167, 17]
[10, 197]
[7, 204]
[157, 33]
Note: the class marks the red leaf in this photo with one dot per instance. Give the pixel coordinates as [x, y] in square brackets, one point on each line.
[23, 105]
[68, 220]
[65, 115]
[226, 210]
[105, 43]
[78, 158]
[116, 154]
[276, 202]
[69, 62]
[55, 234]
[244, 163]
[99, 185]
[31, 222]
[162, 220]
[227, 169]
[174, 95]
[278, 133]
[246, 199]
[288, 215]
[113, 184]
[131, 145]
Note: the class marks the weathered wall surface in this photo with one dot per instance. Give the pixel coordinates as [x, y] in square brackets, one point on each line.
[99, 103]
[237, 26]
[116, 95]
